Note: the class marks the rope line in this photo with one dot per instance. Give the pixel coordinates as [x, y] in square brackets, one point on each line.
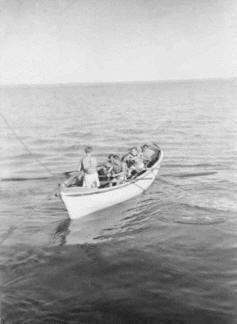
[25, 146]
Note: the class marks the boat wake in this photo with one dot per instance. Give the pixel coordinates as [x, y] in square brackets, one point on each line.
[15, 179]
[190, 175]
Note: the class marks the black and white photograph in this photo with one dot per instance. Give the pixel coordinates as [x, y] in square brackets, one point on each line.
[118, 161]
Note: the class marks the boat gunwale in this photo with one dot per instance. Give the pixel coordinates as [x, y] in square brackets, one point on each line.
[123, 185]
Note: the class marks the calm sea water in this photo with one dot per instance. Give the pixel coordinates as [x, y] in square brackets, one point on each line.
[169, 256]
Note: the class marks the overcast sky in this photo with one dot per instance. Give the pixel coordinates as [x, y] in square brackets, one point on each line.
[61, 41]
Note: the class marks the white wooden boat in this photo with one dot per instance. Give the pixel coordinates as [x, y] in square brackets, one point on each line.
[81, 201]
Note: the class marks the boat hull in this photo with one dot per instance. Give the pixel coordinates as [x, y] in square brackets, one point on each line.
[80, 204]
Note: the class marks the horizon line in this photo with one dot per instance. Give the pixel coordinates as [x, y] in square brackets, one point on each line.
[97, 83]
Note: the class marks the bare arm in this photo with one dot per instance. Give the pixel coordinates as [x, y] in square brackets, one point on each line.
[79, 168]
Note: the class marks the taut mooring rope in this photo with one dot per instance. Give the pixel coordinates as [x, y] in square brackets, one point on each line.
[25, 146]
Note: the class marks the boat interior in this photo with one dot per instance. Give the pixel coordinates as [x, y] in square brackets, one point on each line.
[105, 182]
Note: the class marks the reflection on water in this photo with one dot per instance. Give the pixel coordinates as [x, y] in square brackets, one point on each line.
[167, 256]
[61, 232]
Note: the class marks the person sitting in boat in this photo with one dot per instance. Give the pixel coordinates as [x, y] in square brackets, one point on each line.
[134, 161]
[148, 153]
[117, 171]
[127, 159]
[88, 167]
[105, 165]
[104, 168]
